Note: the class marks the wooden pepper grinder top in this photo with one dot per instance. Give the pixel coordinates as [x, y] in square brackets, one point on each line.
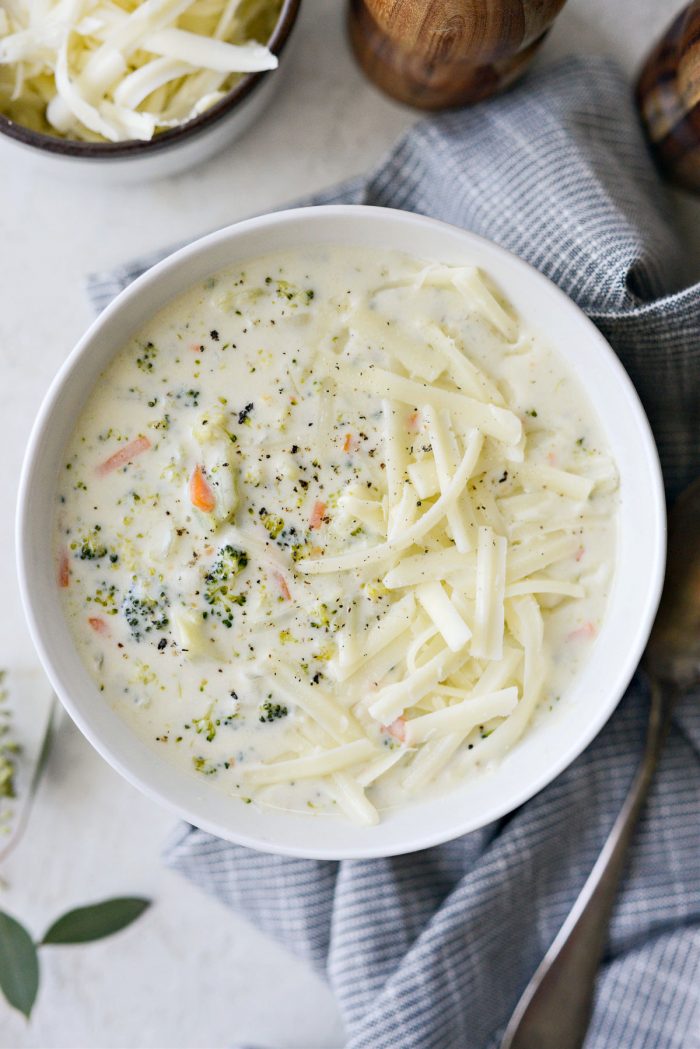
[668, 96]
[436, 54]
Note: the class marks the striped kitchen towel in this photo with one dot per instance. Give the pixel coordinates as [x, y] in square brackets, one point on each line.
[431, 951]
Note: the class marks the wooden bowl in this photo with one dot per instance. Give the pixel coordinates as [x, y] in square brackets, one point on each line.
[668, 97]
[437, 54]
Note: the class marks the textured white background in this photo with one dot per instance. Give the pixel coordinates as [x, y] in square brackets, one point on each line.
[191, 974]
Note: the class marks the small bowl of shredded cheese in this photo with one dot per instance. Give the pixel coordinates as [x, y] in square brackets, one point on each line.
[341, 532]
[162, 84]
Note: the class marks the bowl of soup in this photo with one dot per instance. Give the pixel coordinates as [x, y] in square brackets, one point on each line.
[329, 529]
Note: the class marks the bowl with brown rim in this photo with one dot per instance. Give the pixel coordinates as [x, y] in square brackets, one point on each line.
[170, 151]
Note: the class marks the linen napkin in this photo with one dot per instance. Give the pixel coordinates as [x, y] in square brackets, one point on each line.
[431, 951]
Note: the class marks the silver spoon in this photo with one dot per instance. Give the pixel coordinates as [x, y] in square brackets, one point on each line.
[555, 1009]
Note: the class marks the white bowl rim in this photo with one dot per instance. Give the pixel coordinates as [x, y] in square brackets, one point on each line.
[30, 585]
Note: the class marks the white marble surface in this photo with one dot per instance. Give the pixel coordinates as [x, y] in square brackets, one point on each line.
[191, 973]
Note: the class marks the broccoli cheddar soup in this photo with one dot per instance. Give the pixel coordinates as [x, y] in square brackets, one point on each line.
[333, 528]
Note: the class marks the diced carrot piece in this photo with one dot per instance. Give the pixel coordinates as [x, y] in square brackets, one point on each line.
[317, 514]
[413, 421]
[124, 455]
[63, 569]
[587, 631]
[98, 625]
[397, 729]
[201, 494]
[282, 584]
[349, 443]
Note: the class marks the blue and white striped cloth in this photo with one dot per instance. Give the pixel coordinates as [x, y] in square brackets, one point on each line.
[431, 951]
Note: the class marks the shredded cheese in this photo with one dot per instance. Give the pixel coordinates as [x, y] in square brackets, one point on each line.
[92, 70]
[493, 420]
[444, 615]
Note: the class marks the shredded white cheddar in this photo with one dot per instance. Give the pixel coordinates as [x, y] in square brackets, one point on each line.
[116, 70]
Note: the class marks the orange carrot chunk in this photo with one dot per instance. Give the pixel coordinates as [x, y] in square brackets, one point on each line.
[124, 455]
[413, 421]
[317, 514]
[63, 569]
[348, 444]
[588, 630]
[98, 625]
[397, 729]
[282, 584]
[201, 494]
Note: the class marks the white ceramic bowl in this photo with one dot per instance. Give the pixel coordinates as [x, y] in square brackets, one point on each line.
[171, 151]
[544, 750]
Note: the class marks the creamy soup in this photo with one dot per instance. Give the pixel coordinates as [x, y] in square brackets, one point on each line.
[333, 527]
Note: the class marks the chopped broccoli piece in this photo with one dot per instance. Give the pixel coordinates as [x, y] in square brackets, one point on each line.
[272, 711]
[272, 522]
[218, 592]
[203, 765]
[91, 546]
[145, 613]
[205, 726]
[147, 356]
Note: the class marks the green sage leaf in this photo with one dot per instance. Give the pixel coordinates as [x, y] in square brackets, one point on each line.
[19, 965]
[96, 921]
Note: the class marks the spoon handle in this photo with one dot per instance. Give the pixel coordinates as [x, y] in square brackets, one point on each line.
[555, 1008]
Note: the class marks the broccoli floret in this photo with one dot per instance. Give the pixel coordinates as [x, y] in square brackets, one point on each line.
[91, 547]
[205, 726]
[145, 613]
[146, 357]
[203, 765]
[272, 522]
[218, 592]
[272, 711]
